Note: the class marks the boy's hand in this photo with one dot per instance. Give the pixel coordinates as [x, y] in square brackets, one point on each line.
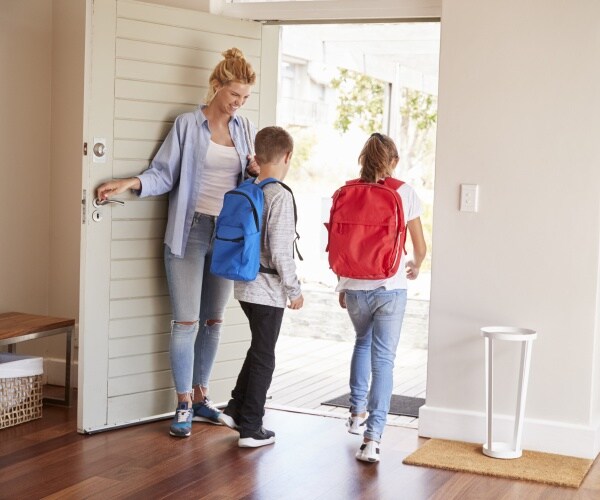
[253, 169]
[412, 270]
[342, 299]
[296, 303]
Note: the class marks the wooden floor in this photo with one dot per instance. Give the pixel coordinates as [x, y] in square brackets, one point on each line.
[313, 458]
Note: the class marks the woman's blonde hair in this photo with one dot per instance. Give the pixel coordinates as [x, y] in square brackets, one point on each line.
[233, 68]
[378, 158]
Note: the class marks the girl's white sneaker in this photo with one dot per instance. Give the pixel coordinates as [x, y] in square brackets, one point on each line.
[368, 452]
[356, 424]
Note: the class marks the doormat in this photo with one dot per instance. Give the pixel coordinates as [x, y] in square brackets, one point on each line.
[547, 468]
[400, 405]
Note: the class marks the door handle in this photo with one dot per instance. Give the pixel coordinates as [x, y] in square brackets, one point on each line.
[98, 202]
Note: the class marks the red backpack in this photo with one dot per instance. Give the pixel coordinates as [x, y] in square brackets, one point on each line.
[366, 229]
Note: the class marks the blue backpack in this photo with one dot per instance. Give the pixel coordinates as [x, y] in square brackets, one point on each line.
[236, 249]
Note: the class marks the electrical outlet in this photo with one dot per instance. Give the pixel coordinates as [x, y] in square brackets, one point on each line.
[469, 197]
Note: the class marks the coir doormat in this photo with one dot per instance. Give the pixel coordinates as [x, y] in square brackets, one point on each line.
[400, 405]
[556, 470]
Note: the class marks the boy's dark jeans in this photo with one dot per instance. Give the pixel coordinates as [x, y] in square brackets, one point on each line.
[247, 405]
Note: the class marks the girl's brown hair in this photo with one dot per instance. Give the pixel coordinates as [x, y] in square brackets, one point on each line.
[233, 68]
[378, 158]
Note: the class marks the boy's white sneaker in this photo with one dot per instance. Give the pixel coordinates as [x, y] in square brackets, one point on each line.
[368, 452]
[356, 424]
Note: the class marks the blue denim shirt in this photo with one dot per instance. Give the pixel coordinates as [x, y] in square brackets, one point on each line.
[176, 168]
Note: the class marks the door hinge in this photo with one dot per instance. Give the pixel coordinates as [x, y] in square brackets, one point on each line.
[83, 207]
[85, 149]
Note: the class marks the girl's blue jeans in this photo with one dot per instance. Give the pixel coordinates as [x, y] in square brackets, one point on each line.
[377, 318]
[196, 296]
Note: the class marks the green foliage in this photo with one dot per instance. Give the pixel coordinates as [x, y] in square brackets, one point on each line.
[416, 134]
[360, 98]
[419, 108]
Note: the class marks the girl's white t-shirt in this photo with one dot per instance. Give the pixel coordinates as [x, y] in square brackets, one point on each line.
[219, 175]
[412, 209]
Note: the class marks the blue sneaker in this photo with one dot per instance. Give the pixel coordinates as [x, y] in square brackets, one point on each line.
[182, 421]
[205, 411]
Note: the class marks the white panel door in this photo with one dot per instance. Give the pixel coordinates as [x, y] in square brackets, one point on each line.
[146, 64]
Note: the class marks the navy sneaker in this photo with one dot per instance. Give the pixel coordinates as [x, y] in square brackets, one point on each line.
[254, 439]
[182, 421]
[205, 411]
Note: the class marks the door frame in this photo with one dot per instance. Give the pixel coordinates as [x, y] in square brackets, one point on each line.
[326, 11]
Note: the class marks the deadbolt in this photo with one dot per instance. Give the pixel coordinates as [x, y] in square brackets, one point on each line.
[99, 150]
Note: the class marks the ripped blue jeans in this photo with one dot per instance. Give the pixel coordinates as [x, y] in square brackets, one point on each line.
[198, 296]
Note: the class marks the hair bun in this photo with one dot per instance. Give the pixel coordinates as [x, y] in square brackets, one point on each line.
[233, 53]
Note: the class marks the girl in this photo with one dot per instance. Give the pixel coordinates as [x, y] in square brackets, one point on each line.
[376, 309]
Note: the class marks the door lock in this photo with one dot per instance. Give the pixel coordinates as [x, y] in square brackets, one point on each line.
[99, 150]
[96, 216]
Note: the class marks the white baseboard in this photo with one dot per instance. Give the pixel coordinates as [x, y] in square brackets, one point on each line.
[538, 435]
[54, 372]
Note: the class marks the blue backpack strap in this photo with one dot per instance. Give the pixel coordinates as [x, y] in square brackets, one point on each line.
[271, 180]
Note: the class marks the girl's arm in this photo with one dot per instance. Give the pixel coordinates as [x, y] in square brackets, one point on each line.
[415, 229]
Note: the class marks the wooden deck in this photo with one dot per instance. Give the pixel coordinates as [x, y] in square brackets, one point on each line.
[312, 370]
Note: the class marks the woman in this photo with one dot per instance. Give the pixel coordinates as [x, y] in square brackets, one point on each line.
[204, 155]
[376, 309]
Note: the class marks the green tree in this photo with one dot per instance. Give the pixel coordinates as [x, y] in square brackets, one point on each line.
[361, 99]
[418, 119]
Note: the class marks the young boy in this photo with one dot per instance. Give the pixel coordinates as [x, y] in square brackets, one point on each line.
[264, 299]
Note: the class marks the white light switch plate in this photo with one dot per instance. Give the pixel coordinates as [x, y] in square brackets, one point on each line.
[469, 197]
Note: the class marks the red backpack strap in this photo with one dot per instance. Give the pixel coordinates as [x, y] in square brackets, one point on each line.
[393, 183]
[390, 182]
[355, 181]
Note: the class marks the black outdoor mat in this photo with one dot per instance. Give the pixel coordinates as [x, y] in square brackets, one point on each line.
[400, 405]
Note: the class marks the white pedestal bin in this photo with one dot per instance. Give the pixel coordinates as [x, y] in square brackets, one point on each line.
[513, 334]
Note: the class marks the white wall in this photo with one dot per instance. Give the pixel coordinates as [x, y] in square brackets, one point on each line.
[596, 374]
[41, 97]
[519, 111]
[25, 87]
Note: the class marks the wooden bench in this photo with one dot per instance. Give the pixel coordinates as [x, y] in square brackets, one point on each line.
[18, 327]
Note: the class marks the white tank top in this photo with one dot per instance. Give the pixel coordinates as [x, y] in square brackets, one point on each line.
[220, 174]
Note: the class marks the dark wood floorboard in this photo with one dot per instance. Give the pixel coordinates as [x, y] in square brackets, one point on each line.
[313, 458]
